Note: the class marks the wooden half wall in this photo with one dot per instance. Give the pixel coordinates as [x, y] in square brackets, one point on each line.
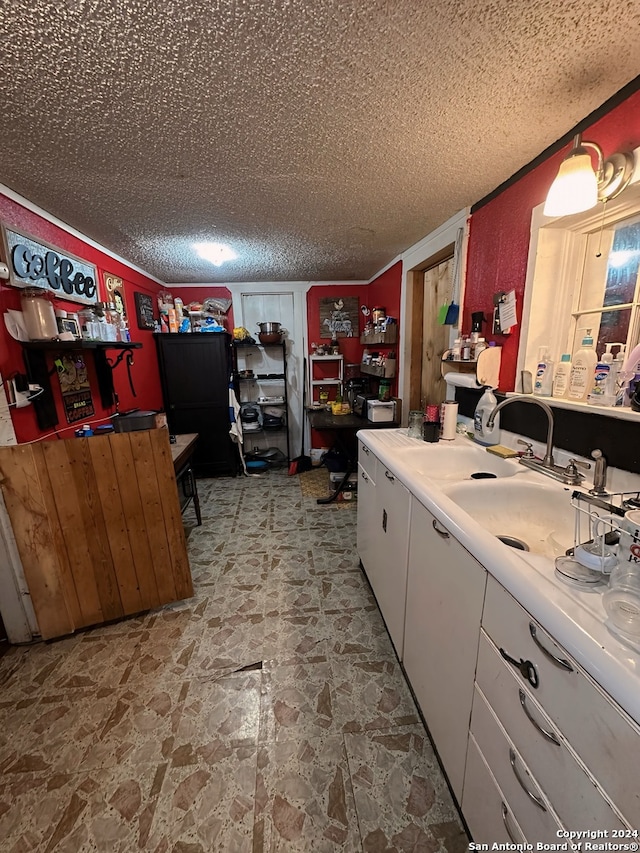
[98, 527]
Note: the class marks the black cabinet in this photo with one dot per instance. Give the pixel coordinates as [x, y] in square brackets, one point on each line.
[195, 371]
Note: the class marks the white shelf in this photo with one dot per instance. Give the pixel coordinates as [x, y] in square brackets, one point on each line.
[334, 381]
[326, 357]
[326, 381]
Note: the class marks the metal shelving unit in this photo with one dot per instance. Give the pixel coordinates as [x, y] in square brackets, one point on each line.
[265, 388]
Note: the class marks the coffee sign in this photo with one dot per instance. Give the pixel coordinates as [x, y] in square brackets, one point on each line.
[34, 264]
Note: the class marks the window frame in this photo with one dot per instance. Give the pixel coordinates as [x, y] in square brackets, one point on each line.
[553, 279]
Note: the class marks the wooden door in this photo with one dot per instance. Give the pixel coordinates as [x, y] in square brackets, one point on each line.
[435, 337]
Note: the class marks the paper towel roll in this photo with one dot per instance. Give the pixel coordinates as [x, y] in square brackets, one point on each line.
[461, 380]
[448, 420]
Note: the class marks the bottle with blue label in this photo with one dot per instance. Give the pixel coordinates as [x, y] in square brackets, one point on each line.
[598, 394]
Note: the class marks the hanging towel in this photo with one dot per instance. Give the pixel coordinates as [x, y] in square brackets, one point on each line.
[235, 428]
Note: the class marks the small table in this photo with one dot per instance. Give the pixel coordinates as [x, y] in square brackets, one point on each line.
[182, 454]
[346, 426]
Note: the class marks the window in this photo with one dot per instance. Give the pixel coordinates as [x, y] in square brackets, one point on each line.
[583, 273]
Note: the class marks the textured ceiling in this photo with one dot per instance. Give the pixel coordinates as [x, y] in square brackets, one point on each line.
[319, 138]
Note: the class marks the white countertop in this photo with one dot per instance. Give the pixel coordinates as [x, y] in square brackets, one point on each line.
[576, 619]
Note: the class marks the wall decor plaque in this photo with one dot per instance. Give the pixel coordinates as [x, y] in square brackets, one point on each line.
[33, 263]
[144, 310]
[114, 287]
[74, 385]
[339, 317]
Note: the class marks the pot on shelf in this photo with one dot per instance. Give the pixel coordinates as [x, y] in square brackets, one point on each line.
[269, 337]
[270, 328]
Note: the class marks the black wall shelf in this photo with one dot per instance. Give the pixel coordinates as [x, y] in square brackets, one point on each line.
[35, 359]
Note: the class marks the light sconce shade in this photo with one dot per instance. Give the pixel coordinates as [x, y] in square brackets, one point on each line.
[578, 187]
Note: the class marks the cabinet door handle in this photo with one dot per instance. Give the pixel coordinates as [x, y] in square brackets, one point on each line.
[549, 735]
[365, 449]
[443, 533]
[364, 476]
[536, 800]
[561, 662]
[505, 814]
[389, 476]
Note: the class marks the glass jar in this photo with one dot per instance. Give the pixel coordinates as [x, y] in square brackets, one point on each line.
[38, 313]
[415, 424]
[87, 320]
[384, 390]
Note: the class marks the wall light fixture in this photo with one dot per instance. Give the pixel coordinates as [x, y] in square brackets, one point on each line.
[578, 187]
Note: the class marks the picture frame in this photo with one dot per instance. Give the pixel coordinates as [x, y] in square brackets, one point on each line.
[68, 324]
[144, 310]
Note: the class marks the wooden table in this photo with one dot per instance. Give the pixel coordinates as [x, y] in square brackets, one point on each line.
[182, 454]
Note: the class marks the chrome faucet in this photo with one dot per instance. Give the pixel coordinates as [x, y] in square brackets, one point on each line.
[569, 475]
[599, 475]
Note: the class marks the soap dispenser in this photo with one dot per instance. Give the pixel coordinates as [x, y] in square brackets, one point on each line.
[582, 370]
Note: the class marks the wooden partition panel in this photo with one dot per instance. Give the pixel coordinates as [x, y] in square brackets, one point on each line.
[98, 527]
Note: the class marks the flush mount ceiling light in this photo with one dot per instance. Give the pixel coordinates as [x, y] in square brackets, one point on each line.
[578, 187]
[215, 253]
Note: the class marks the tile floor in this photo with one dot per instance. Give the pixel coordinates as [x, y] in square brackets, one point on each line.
[268, 713]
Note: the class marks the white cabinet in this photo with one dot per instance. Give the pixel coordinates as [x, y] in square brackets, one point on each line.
[383, 540]
[445, 593]
[576, 751]
[367, 518]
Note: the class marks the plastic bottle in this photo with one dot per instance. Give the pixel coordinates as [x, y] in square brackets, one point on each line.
[627, 376]
[613, 393]
[582, 370]
[543, 384]
[479, 346]
[561, 376]
[482, 433]
[597, 395]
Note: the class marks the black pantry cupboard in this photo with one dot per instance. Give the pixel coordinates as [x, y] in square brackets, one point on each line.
[194, 371]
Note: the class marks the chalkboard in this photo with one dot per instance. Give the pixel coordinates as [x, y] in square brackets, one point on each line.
[144, 310]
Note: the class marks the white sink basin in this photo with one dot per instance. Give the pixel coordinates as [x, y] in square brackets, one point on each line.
[459, 462]
[537, 514]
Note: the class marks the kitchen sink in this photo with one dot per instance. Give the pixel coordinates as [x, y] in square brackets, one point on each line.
[458, 462]
[528, 516]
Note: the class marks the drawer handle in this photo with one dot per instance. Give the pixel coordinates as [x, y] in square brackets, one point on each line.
[561, 662]
[442, 533]
[366, 449]
[536, 800]
[549, 735]
[364, 476]
[389, 476]
[505, 814]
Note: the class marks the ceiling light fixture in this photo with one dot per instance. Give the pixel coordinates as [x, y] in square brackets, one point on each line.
[215, 253]
[578, 187]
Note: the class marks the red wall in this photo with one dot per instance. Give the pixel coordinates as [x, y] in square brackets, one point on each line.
[385, 291]
[499, 231]
[144, 371]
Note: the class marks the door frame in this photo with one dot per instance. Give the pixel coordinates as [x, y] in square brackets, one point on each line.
[430, 251]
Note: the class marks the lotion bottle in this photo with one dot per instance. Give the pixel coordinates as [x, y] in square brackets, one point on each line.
[561, 376]
[582, 370]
